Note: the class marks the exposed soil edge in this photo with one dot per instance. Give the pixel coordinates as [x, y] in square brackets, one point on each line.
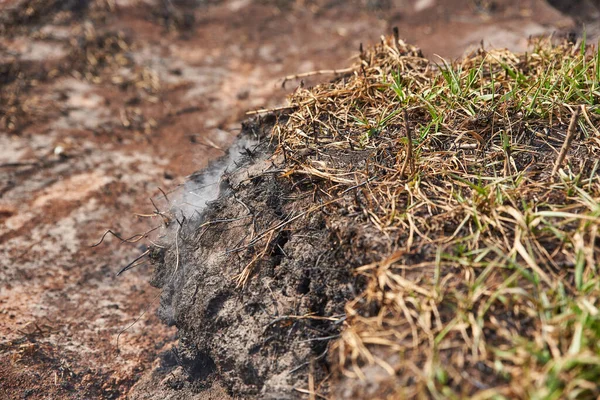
[259, 340]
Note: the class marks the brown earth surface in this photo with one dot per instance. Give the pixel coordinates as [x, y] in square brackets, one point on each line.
[105, 101]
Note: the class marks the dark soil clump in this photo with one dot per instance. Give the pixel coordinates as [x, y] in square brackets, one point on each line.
[265, 335]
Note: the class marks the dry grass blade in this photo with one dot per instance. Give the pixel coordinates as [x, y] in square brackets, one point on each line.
[569, 139]
[315, 73]
[409, 160]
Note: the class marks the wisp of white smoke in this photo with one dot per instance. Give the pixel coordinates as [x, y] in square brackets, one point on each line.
[205, 186]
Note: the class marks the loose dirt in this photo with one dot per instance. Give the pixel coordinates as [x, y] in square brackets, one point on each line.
[103, 102]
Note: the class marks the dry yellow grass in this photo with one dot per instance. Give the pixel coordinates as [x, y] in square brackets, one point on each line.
[488, 285]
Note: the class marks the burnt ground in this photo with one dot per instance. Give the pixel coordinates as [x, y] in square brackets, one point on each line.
[249, 314]
[103, 102]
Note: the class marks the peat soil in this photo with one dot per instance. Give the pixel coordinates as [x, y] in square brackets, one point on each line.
[105, 101]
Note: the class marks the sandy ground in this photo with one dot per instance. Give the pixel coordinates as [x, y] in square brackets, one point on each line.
[103, 104]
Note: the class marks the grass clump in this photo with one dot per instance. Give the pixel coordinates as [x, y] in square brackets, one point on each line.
[485, 243]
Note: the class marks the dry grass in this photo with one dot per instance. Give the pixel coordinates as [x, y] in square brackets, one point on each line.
[490, 286]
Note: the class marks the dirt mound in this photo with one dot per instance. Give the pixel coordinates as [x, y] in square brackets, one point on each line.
[417, 228]
[254, 304]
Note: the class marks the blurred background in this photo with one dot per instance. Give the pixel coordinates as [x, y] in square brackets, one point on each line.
[103, 102]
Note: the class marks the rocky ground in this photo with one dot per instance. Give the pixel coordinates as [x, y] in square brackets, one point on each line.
[104, 102]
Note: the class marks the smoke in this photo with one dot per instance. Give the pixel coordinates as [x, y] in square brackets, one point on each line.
[201, 188]
[206, 185]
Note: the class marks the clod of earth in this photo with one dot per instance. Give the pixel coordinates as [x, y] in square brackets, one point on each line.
[347, 257]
